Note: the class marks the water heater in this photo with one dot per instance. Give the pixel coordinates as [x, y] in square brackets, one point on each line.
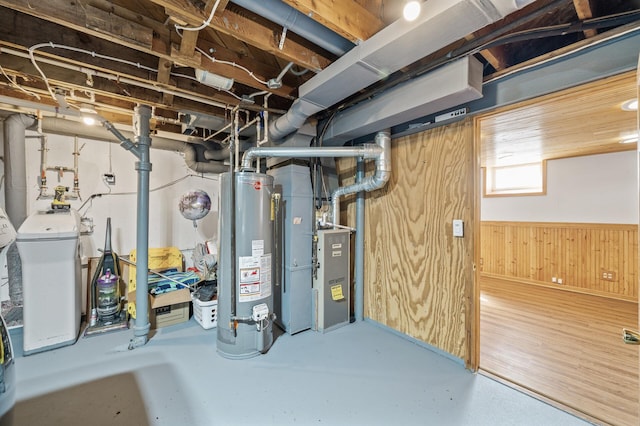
[245, 299]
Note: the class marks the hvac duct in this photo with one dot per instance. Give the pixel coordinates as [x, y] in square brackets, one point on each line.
[61, 126]
[286, 16]
[396, 46]
[364, 151]
[449, 86]
[371, 183]
[15, 167]
[380, 151]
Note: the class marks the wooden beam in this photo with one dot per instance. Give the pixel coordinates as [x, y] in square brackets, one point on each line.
[68, 14]
[117, 90]
[495, 59]
[164, 74]
[187, 54]
[584, 11]
[347, 18]
[251, 32]
[111, 24]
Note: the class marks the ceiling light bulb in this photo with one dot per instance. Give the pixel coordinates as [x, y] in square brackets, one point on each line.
[411, 10]
[630, 105]
[89, 121]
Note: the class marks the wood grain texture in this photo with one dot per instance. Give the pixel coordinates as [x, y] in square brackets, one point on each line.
[582, 120]
[578, 253]
[418, 277]
[564, 346]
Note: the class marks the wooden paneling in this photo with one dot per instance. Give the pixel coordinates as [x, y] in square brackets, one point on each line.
[418, 277]
[583, 120]
[578, 253]
[564, 346]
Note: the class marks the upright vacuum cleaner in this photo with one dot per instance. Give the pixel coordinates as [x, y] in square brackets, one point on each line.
[106, 312]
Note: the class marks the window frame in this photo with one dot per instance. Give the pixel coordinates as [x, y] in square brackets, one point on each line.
[486, 192]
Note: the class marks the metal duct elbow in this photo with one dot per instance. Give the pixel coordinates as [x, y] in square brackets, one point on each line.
[377, 181]
[191, 161]
[383, 162]
[217, 154]
[294, 119]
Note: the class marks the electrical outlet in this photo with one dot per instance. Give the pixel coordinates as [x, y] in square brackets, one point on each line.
[608, 275]
[560, 281]
[451, 114]
[554, 280]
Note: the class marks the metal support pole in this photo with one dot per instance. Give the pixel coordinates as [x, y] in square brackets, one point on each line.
[359, 249]
[143, 166]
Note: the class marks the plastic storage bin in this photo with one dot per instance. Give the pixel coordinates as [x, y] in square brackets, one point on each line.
[205, 313]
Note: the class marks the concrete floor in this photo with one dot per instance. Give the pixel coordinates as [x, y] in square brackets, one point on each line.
[360, 374]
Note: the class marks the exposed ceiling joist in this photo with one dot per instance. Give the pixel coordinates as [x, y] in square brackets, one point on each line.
[243, 43]
[350, 20]
[62, 13]
[583, 9]
[251, 32]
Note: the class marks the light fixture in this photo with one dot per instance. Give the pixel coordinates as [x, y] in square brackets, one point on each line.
[89, 114]
[630, 105]
[411, 10]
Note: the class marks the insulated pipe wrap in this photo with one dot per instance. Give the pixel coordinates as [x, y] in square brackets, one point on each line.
[61, 126]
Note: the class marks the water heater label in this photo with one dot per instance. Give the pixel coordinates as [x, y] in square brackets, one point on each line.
[255, 277]
[257, 248]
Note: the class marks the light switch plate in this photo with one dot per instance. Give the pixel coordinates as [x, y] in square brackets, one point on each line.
[458, 228]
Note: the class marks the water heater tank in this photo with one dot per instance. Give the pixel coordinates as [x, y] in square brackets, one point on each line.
[247, 332]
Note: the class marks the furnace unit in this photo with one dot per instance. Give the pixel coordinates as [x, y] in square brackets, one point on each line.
[331, 298]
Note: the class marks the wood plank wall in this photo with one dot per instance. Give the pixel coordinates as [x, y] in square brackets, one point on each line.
[577, 253]
[418, 277]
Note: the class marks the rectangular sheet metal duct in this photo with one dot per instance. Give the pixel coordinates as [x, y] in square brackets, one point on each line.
[396, 46]
[446, 87]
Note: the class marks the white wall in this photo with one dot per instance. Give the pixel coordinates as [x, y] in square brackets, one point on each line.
[590, 189]
[167, 227]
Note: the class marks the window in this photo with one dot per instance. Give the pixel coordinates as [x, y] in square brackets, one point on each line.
[524, 179]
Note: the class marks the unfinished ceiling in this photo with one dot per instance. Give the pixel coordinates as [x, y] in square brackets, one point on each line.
[114, 54]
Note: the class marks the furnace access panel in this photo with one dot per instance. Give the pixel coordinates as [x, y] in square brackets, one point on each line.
[332, 283]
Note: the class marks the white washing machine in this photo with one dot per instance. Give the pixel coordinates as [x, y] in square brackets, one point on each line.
[48, 243]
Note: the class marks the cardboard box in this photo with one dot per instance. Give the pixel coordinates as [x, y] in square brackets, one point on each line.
[169, 308]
